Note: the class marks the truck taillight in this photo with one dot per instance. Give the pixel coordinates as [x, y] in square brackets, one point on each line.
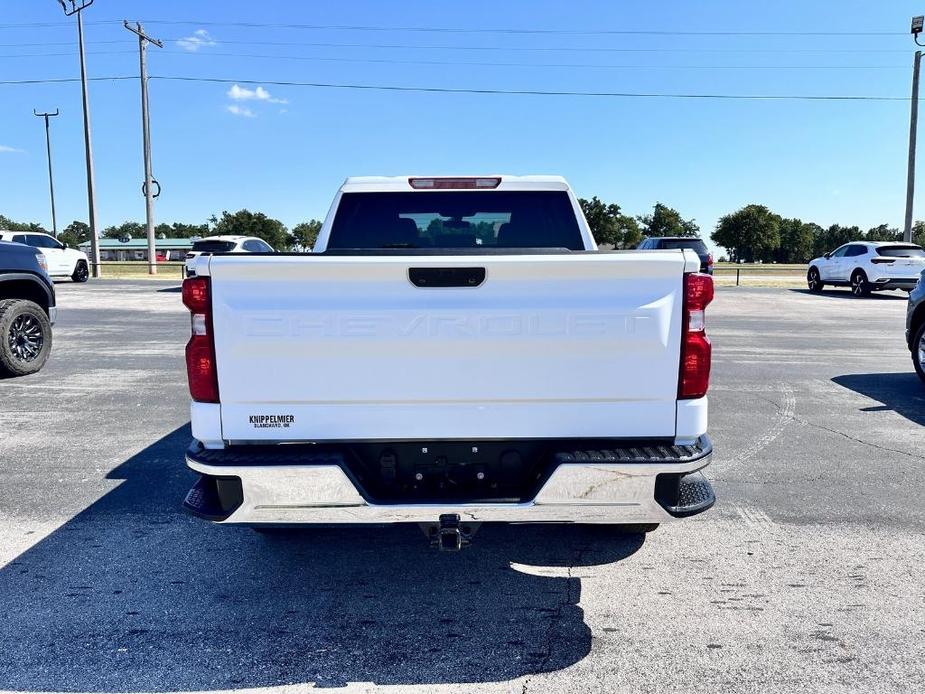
[709, 260]
[200, 350]
[696, 351]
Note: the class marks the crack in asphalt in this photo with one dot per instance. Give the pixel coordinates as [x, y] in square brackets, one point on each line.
[554, 621]
[806, 422]
[857, 440]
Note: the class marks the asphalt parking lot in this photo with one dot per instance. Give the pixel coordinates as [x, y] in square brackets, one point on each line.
[806, 576]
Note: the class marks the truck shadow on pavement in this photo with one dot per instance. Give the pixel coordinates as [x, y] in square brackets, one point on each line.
[132, 595]
[901, 392]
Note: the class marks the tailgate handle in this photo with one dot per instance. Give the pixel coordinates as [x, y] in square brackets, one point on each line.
[446, 276]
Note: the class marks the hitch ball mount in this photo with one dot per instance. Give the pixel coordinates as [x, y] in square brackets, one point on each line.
[449, 534]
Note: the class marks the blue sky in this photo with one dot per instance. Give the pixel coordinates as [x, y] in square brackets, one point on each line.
[284, 150]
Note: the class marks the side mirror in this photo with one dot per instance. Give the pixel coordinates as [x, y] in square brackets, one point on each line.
[827, 256]
[64, 245]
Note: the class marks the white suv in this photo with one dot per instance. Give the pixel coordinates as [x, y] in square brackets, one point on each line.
[62, 261]
[867, 266]
[225, 244]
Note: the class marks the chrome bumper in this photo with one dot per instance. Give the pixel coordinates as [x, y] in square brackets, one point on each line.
[576, 492]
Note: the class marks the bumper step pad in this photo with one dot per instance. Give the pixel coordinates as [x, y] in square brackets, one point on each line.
[684, 495]
[265, 455]
[643, 453]
[214, 498]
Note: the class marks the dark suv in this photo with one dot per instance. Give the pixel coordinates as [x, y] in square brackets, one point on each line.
[692, 242]
[915, 326]
[27, 310]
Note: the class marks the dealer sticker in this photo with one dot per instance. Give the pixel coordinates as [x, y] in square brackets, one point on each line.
[271, 421]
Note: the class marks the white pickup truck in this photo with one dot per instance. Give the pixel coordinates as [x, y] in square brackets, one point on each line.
[454, 351]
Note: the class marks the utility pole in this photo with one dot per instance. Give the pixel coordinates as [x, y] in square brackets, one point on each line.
[913, 126]
[51, 180]
[91, 202]
[143, 40]
[918, 23]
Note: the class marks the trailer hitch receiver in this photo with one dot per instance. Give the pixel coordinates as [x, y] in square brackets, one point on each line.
[449, 534]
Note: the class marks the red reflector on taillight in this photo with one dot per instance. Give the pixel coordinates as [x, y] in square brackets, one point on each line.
[696, 351]
[196, 294]
[709, 259]
[696, 357]
[200, 369]
[486, 183]
[698, 291]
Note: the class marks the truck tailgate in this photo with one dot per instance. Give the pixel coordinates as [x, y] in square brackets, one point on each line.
[312, 348]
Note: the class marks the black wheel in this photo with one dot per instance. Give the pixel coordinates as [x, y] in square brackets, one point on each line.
[813, 280]
[81, 272]
[26, 337]
[918, 352]
[859, 284]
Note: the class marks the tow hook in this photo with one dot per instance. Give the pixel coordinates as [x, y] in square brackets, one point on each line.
[448, 534]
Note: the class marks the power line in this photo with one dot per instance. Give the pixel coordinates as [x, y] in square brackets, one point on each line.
[52, 25]
[391, 61]
[547, 49]
[534, 92]
[559, 49]
[461, 30]
[64, 80]
[529, 32]
[685, 66]
[58, 55]
[56, 43]
[460, 90]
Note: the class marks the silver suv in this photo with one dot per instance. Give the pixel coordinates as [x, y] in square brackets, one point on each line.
[915, 326]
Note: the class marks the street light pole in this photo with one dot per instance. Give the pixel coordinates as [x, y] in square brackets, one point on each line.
[143, 40]
[88, 146]
[51, 180]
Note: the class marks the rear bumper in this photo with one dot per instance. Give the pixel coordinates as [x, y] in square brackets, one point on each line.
[651, 485]
[895, 282]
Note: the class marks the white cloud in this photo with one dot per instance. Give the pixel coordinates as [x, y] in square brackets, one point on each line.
[237, 93]
[4, 148]
[240, 111]
[198, 39]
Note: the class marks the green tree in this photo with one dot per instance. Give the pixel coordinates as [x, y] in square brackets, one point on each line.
[181, 230]
[749, 234]
[133, 229]
[247, 223]
[834, 236]
[75, 233]
[306, 233]
[609, 225]
[667, 221]
[8, 224]
[883, 232]
[797, 241]
[918, 233]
